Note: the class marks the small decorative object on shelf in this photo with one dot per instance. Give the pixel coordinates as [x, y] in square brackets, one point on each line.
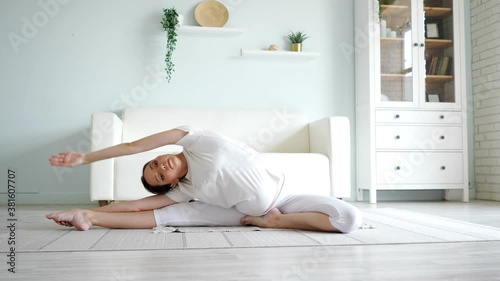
[383, 2]
[273, 47]
[432, 97]
[211, 13]
[169, 22]
[297, 38]
[434, 29]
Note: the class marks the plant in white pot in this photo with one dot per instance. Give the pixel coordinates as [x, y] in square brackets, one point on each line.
[169, 22]
[297, 38]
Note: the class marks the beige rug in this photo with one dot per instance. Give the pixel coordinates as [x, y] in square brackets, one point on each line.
[381, 226]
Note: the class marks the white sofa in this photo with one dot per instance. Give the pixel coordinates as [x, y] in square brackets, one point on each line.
[315, 156]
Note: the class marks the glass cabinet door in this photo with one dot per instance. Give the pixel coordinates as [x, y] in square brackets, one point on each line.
[439, 51]
[416, 52]
[397, 58]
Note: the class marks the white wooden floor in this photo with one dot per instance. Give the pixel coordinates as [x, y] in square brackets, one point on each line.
[446, 261]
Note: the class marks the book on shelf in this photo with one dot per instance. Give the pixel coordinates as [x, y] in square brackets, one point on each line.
[438, 66]
[444, 68]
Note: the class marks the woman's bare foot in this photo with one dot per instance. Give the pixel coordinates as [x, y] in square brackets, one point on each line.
[80, 219]
[269, 220]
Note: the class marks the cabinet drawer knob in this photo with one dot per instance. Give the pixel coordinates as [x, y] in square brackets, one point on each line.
[443, 168]
[441, 117]
[422, 45]
[396, 116]
[442, 137]
[398, 168]
[398, 137]
[415, 44]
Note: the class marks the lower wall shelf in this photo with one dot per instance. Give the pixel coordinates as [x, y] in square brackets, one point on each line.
[278, 54]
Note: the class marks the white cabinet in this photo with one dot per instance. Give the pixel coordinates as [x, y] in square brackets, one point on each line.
[410, 96]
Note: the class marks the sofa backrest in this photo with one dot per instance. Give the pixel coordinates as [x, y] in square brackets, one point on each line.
[266, 130]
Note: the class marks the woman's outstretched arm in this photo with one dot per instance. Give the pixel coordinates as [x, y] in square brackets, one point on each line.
[72, 159]
[144, 204]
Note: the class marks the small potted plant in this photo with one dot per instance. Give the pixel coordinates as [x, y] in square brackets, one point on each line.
[169, 22]
[297, 38]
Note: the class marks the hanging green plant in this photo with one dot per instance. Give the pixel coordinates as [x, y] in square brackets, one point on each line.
[169, 22]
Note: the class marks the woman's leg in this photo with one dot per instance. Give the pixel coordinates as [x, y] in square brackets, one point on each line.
[197, 214]
[305, 221]
[310, 212]
[84, 219]
[180, 214]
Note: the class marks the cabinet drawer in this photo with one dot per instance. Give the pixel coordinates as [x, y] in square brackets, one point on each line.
[418, 137]
[418, 117]
[419, 168]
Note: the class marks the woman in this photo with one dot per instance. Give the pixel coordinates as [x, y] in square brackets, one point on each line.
[227, 178]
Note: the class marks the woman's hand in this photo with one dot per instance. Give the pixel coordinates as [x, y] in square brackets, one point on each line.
[72, 159]
[67, 159]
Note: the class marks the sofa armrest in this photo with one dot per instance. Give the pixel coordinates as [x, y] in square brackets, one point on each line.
[331, 136]
[106, 131]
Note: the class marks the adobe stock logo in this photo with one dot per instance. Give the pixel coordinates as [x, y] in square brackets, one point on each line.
[48, 9]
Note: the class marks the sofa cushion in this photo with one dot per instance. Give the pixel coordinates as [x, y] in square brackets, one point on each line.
[305, 173]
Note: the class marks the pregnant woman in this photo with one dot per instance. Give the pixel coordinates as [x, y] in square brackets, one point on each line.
[229, 183]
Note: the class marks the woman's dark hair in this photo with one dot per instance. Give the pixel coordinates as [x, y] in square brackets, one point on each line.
[161, 189]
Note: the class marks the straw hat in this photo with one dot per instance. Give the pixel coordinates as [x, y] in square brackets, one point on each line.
[211, 13]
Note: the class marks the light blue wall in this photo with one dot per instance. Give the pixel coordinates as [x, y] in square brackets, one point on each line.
[62, 60]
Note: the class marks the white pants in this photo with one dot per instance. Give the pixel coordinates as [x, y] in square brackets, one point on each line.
[343, 216]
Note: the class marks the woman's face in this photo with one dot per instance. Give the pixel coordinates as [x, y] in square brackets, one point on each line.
[165, 169]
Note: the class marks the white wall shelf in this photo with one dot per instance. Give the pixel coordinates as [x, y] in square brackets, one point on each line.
[223, 31]
[278, 54]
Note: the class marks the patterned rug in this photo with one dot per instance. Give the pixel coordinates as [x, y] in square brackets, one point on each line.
[380, 226]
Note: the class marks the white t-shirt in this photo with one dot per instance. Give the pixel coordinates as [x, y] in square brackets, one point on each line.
[225, 173]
